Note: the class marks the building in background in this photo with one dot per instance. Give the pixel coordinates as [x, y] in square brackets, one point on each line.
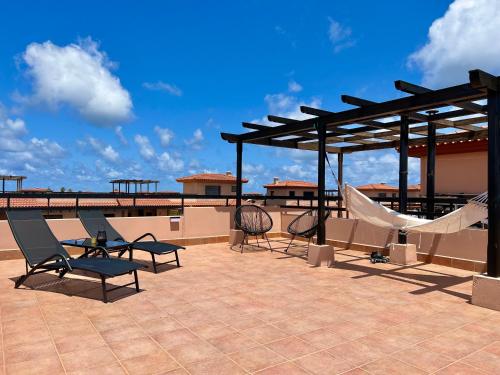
[461, 167]
[383, 190]
[209, 184]
[291, 188]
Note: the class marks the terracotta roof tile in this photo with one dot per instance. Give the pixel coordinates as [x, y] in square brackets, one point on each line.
[210, 177]
[291, 184]
[384, 187]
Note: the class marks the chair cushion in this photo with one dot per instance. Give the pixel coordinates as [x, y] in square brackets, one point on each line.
[156, 247]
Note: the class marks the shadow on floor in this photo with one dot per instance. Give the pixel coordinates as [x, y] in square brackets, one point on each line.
[438, 281]
[77, 287]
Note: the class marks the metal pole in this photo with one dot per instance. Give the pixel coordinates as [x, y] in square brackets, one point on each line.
[239, 164]
[321, 235]
[431, 166]
[340, 174]
[403, 171]
[493, 252]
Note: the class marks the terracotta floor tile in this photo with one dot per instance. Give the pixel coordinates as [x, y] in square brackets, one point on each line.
[42, 366]
[194, 351]
[132, 348]
[219, 366]
[155, 363]
[212, 330]
[123, 333]
[75, 343]
[233, 342]
[322, 338]
[265, 333]
[323, 363]
[257, 358]
[110, 369]
[89, 358]
[155, 326]
[29, 351]
[459, 368]
[391, 366]
[284, 369]
[170, 339]
[292, 347]
[487, 359]
[425, 360]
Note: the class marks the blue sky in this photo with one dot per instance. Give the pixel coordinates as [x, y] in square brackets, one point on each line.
[95, 90]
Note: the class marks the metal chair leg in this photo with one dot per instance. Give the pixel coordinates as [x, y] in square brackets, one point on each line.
[257, 238]
[154, 262]
[104, 291]
[242, 243]
[177, 259]
[136, 281]
[293, 237]
[269, 243]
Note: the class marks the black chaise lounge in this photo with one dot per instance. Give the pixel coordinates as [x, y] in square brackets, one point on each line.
[253, 221]
[94, 220]
[305, 226]
[44, 253]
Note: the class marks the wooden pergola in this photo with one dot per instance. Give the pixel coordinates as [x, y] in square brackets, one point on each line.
[17, 179]
[127, 183]
[425, 116]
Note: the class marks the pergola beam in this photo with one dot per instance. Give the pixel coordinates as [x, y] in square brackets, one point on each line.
[413, 89]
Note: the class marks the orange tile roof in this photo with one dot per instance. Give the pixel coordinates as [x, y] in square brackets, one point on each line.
[210, 177]
[384, 187]
[291, 184]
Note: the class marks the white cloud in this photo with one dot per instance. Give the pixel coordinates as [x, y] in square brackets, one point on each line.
[463, 39]
[77, 75]
[107, 152]
[165, 135]
[146, 150]
[294, 86]
[120, 135]
[168, 163]
[162, 86]
[196, 141]
[339, 35]
[288, 106]
[298, 171]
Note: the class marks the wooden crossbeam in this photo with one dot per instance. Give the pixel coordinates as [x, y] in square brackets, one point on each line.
[413, 115]
[411, 88]
[455, 137]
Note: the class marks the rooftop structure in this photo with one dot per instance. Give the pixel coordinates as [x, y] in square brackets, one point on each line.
[137, 184]
[17, 179]
[222, 178]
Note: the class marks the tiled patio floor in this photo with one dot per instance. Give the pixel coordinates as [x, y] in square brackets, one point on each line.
[229, 313]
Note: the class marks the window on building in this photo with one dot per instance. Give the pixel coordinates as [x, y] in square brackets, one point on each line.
[212, 190]
[382, 195]
[291, 193]
[309, 194]
[50, 216]
[272, 193]
[233, 189]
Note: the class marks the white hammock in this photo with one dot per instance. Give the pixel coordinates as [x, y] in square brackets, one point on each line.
[365, 209]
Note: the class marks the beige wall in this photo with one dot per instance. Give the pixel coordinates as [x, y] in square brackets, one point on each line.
[286, 192]
[199, 188]
[458, 173]
[376, 193]
[467, 244]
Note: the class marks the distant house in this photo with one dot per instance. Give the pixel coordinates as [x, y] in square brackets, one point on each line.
[383, 190]
[209, 184]
[292, 188]
[461, 167]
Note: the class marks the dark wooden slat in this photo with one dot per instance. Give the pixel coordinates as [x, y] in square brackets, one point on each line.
[411, 88]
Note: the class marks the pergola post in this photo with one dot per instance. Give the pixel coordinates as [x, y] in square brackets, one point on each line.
[403, 171]
[340, 174]
[431, 168]
[493, 252]
[239, 165]
[321, 235]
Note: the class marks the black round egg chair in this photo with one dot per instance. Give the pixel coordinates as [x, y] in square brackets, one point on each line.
[305, 225]
[253, 221]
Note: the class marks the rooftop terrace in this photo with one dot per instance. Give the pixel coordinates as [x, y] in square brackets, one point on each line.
[229, 313]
